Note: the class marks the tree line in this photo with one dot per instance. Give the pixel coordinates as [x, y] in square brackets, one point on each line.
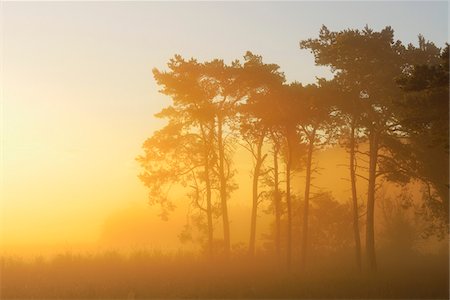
[387, 103]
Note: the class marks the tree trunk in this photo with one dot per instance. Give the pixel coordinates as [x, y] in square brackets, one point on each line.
[370, 232]
[288, 204]
[306, 203]
[355, 198]
[206, 145]
[210, 218]
[256, 172]
[277, 201]
[223, 188]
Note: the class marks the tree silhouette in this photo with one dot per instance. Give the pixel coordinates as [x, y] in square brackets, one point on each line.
[205, 96]
[387, 97]
[260, 80]
[287, 122]
[183, 151]
[425, 120]
[347, 109]
[315, 127]
[276, 191]
[223, 81]
[367, 62]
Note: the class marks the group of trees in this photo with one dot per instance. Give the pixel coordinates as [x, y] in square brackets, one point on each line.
[387, 98]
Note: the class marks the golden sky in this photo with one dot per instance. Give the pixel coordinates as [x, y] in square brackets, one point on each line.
[78, 99]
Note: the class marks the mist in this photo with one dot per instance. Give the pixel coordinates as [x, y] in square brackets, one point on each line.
[224, 150]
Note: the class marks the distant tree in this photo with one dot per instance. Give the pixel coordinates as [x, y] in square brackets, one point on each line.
[400, 223]
[330, 230]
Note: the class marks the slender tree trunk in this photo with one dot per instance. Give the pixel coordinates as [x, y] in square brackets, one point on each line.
[256, 172]
[370, 226]
[277, 201]
[209, 216]
[223, 187]
[355, 198]
[306, 203]
[209, 208]
[288, 204]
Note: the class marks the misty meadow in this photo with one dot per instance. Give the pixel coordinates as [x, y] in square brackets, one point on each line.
[336, 187]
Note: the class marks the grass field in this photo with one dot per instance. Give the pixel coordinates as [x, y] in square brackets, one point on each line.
[150, 274]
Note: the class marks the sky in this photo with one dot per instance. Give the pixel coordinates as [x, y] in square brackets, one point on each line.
[78, 97]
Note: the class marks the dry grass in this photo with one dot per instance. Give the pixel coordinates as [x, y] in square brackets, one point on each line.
[147, 274]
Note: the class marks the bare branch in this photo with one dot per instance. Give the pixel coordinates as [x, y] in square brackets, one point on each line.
[362, 177]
